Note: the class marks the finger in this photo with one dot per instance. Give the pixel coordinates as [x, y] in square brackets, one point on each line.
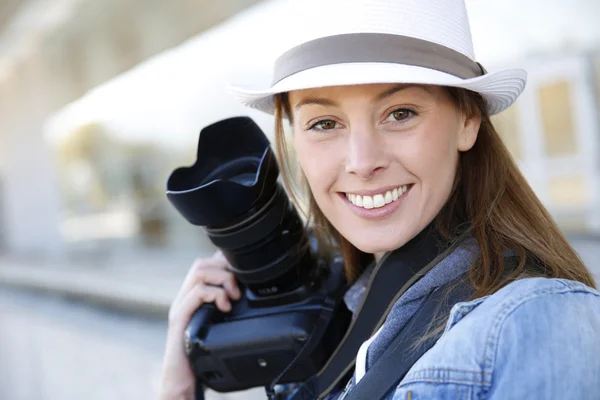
[199, 264]
[180, 313]
[219, 277]
[218, 254]
[219, 297]
[213, 276]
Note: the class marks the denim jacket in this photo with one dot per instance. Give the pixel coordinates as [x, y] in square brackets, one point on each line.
[536, 338]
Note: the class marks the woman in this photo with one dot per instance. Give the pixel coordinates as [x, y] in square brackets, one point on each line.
[390, 121]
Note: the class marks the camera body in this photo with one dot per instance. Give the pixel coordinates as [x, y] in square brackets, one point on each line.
[291, 316]
[260, 337]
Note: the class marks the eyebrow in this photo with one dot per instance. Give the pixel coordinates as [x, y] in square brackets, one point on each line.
[381, 96]
[315, 100]
[398, 88]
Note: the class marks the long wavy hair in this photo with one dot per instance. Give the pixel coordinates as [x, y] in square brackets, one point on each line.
[490, 198]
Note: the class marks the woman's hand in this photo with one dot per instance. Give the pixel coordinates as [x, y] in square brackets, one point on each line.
[208, 281]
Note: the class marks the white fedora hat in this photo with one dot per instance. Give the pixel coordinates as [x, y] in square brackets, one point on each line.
[350, 42]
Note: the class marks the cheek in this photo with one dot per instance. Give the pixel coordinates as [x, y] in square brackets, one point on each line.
[433, 158]
[317, 164]
[442, 176]
[438, 154]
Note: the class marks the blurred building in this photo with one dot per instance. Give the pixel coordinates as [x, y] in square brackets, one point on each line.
[99, 100]
[52, 52]
[553, 131]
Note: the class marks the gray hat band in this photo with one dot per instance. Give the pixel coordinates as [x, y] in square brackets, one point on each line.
[378, 48]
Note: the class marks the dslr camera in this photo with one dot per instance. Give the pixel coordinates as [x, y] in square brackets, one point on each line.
[291, 316]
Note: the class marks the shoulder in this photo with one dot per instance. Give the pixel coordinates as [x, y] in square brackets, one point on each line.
[519, 342]
[544, 331]
[531, 295]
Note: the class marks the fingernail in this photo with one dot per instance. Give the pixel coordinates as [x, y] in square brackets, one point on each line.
[218, 254]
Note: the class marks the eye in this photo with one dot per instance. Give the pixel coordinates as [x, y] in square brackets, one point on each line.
[400, 114]
[323, 125]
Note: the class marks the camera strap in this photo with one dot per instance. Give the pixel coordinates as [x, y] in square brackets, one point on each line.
[395, 273]
[405, 350]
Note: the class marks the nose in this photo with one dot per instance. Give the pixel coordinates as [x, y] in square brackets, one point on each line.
[367, 154]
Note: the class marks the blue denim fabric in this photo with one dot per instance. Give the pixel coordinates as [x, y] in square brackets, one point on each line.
[448, 269]
[536, 338]
[451, 267]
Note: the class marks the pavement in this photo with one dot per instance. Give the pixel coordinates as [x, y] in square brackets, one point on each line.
[71, 329]
[57, 349]
[121, 355]
[137, 286]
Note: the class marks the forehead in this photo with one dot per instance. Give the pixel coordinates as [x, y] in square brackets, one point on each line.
[371, 91]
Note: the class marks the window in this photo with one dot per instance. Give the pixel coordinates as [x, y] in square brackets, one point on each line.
[568, 191]
[557, 119]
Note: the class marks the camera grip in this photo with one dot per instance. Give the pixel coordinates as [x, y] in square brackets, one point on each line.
[196, 328]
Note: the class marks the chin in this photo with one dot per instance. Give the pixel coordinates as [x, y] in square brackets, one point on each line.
[381, 240]
[377, 246]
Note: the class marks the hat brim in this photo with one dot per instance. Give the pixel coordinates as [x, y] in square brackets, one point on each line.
[499, 88]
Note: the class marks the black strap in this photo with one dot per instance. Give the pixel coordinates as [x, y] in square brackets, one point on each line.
[403, 352]
[199, 391]
[391, 277]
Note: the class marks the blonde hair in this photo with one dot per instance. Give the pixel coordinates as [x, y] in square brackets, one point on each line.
[490, 198]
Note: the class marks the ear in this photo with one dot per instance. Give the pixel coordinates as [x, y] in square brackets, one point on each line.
[469, 130]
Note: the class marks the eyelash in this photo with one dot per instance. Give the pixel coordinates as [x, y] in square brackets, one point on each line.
[410, 112]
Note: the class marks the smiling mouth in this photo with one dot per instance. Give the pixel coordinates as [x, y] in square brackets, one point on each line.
[378, 200]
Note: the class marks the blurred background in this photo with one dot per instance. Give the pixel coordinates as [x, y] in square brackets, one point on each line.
[101, 99]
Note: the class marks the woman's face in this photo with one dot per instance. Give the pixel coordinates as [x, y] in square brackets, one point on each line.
[380, 159]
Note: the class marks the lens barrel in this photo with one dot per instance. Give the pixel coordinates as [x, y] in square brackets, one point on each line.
[232, 191]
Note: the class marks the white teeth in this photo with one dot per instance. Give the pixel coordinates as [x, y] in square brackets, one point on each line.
[388, 197]
[379, 200]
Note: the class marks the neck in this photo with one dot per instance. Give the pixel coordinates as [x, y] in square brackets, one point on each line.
[428, 233]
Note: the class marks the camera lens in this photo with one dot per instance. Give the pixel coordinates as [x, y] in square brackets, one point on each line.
[232, 191]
